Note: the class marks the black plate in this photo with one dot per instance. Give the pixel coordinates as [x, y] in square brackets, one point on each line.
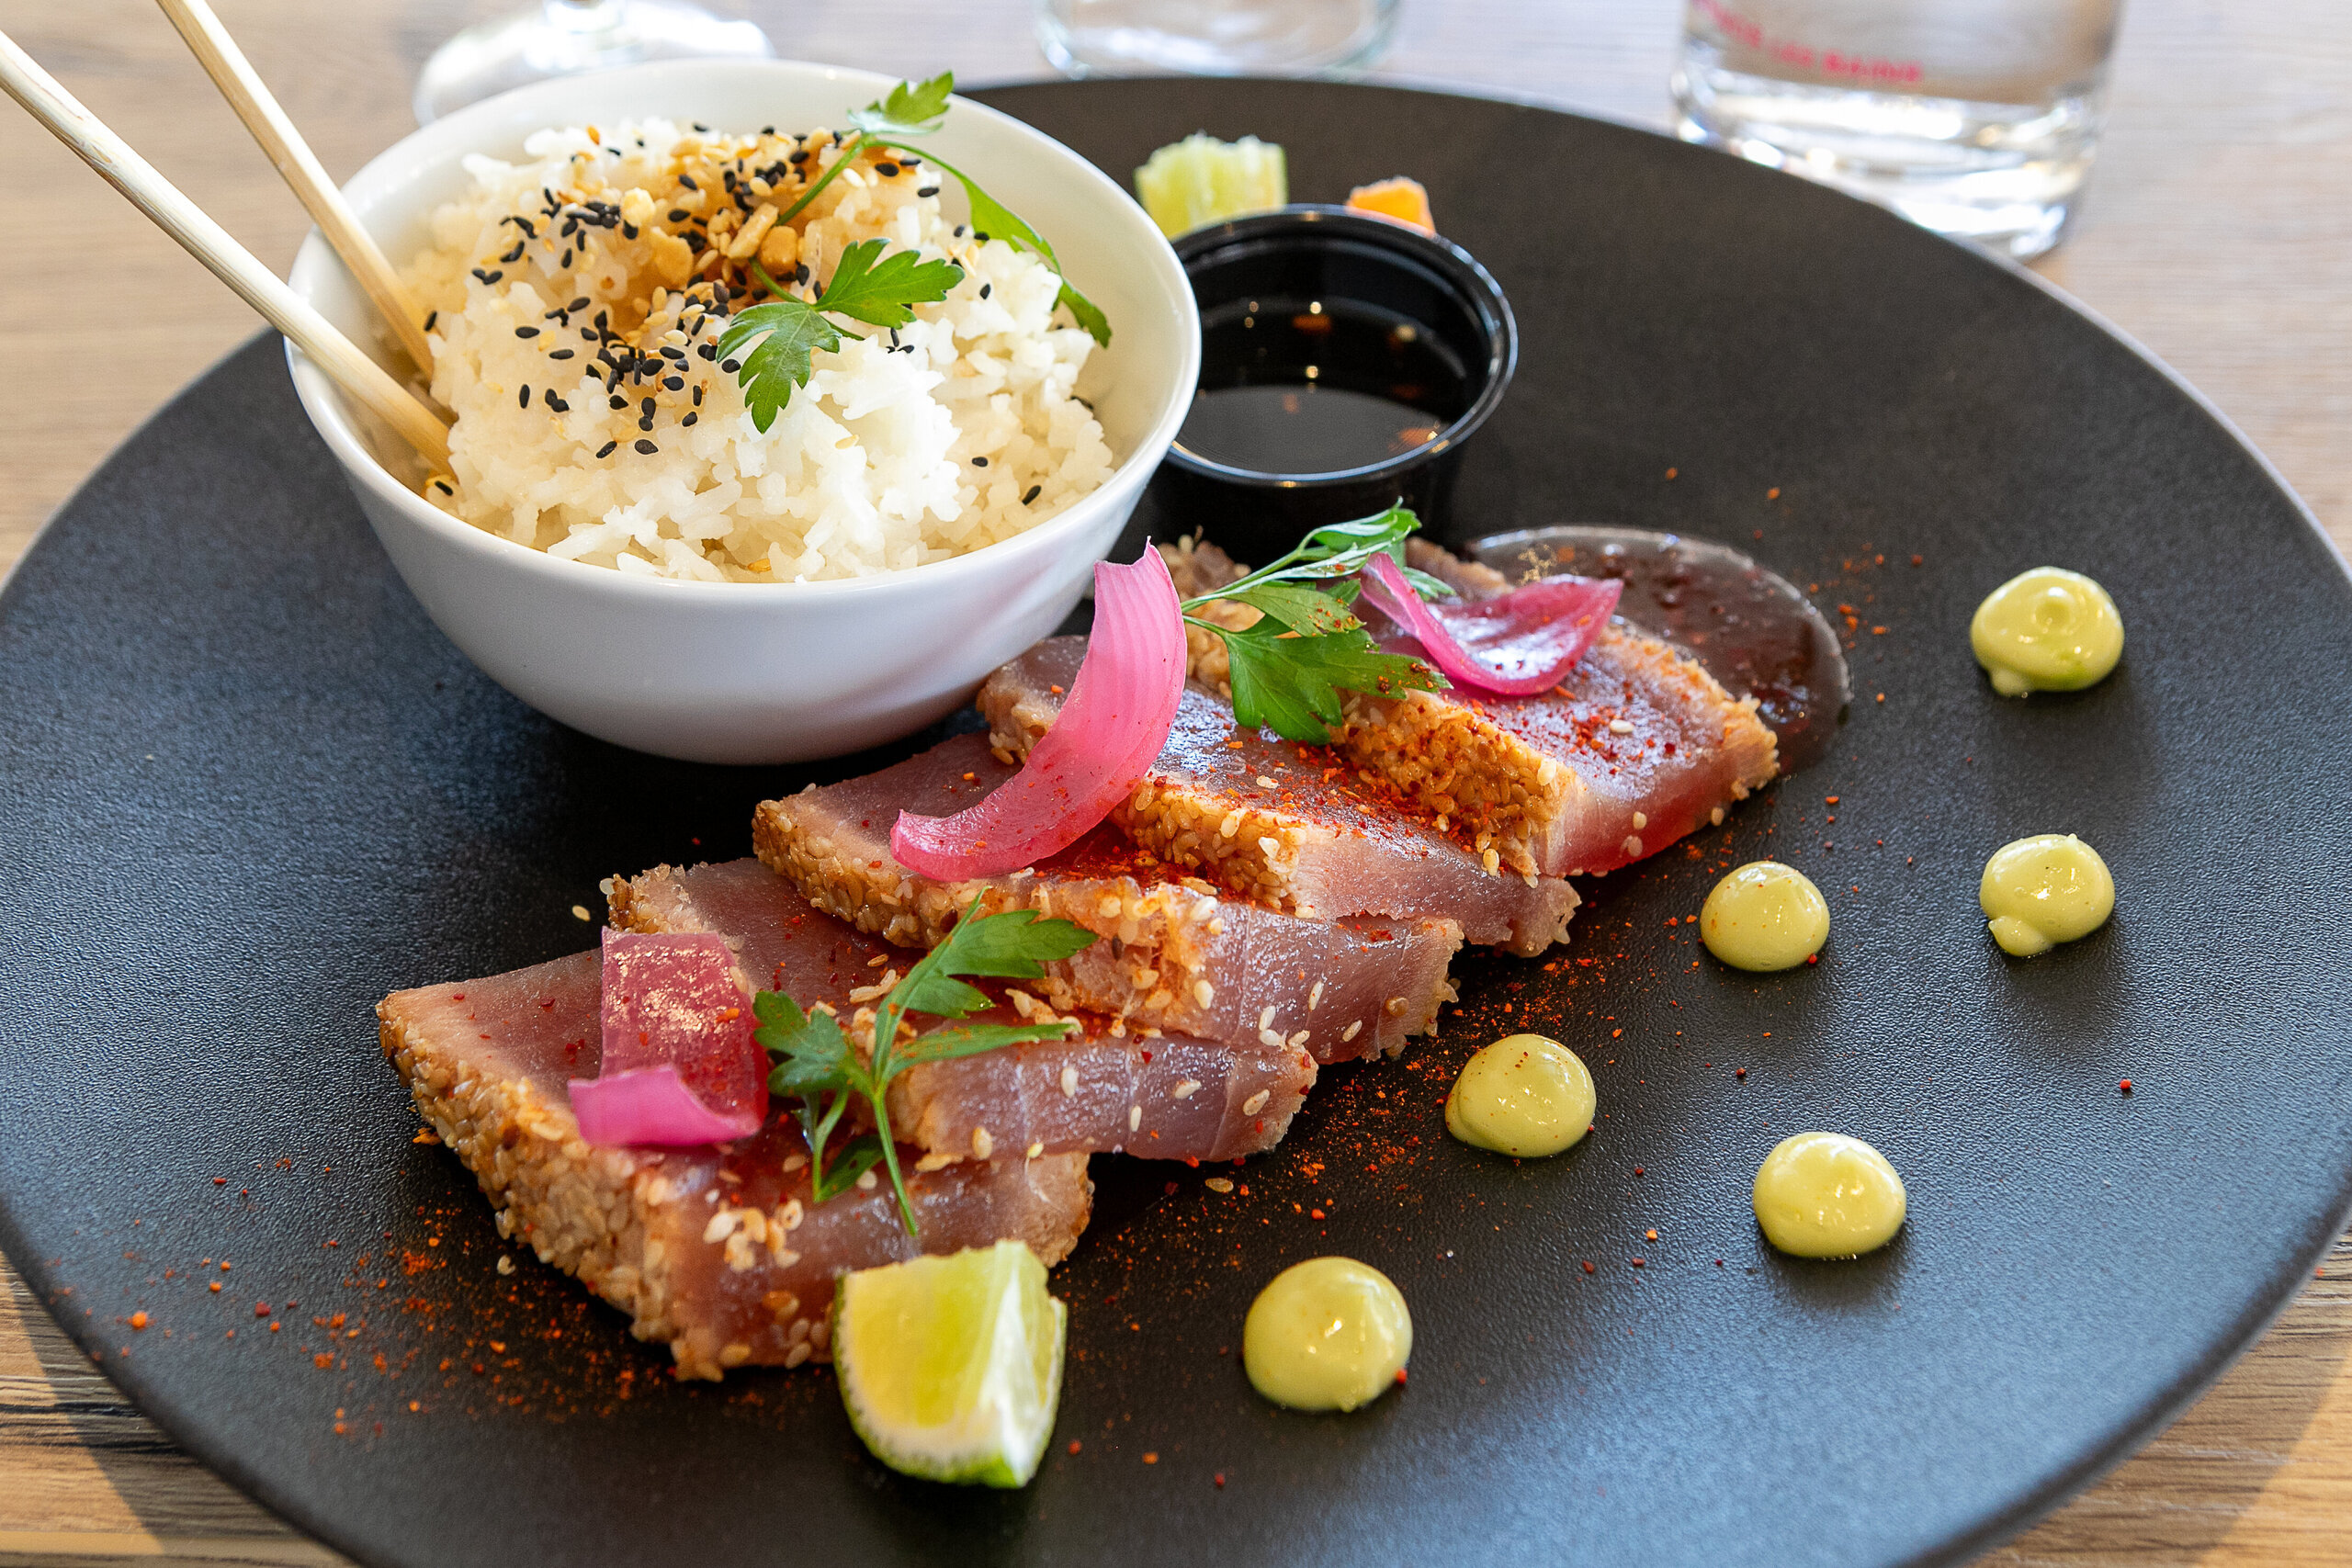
[245, 789]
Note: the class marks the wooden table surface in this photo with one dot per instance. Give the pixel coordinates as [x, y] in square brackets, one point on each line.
[2218, 231]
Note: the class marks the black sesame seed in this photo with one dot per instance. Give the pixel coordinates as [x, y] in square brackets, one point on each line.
[669, 353]
[980, 462]
[558, 404]
[607, 449]
[444, 487]
[582, 304]
[688, 181]
[431, 318]
[675, 383]
[708, 350]
[510, 257]
[730, 366]
[690, 418]
[986, 289]
[647, 446]
[563, 354]
[646, 408]
[564, 260]
[959, 231]
[698, 394]
[679, 215]
[645, 423]
[887, 171]
[526, 399]
[801, 275]
[698, 126]
[619, 401]
[488, 277]
[629, 231]
[526, 331]
[801, 156]
[1032, 495]
[928, 190]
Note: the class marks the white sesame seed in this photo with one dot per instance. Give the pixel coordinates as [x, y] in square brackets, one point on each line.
[1069, 1083]
[1256, 1102]
[1134, 1117]
[1621, 727]
[982, 1145]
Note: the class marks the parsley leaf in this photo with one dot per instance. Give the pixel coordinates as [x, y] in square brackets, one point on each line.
[1292, 684]
[819, 1063]
[879, 293]
[911, 109]
[1288, 668]
[882, 293]
[790, 331]
[991, 220]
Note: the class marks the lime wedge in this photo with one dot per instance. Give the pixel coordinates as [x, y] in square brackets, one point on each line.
[951, 1367]
[1202, 180]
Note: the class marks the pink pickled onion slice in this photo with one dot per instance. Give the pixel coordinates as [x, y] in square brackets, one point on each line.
[1516, 644]
[649, 1105]
[1111, 730]
[679, 1064]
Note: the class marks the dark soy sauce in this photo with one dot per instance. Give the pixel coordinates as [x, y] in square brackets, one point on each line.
[1317, 386]
[1748, 626]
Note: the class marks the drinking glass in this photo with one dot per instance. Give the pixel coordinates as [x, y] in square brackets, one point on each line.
[559, 37]
[1977, 118]
[1213, 38]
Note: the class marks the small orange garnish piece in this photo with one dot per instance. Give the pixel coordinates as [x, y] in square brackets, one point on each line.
[1399, 199]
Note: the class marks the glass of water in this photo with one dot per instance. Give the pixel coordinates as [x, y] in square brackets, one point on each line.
[1213, 38]
[1977, 118]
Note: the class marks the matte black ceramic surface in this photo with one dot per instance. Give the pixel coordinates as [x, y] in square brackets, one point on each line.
[1318, 254]
[245, 789]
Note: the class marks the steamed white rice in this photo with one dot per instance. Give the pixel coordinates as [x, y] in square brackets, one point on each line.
[956, 431]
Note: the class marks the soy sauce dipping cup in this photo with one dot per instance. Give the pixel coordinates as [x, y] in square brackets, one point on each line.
[1348, 264]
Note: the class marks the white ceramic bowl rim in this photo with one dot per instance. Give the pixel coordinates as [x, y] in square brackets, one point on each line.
[454, 136]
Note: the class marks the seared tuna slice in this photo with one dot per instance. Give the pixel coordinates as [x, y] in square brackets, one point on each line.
[1297, 826]
[1637, 746]
[1164, 1096]
[717, 1252]
[1184, 959]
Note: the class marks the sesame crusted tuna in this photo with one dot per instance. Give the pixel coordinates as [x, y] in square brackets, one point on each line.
[1110, 1088]
[717, 1252]
[1636, 747]
[1184, 957]
[1297, 826]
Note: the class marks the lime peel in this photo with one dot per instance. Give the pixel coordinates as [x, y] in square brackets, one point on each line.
[951, 1367]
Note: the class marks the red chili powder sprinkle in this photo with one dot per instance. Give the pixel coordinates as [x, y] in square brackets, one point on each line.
[1151, 1458]
[2125, 1086]
[1588, 1265]
[139, 1320]
[261, 1309]
[1074, 1445]
[1219, 1476]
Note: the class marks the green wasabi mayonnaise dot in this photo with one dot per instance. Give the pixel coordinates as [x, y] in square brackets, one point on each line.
[1328, 1334]
[2046, 631]
[1827, 1195]
[2041, 891]
[1524, 1094]
[1764, 915]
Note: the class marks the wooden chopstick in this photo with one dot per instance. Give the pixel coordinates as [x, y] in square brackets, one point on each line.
[235, 75]
[291, 314]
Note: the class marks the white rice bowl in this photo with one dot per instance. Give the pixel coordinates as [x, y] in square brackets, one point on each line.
[958, 429]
